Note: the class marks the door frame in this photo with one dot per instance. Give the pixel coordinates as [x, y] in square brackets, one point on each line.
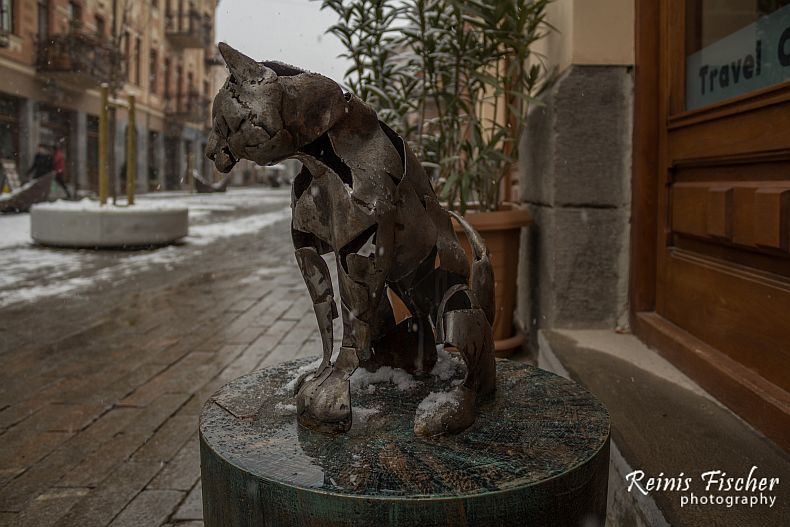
[756, 400]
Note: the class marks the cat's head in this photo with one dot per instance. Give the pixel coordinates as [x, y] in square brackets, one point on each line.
[267, 111]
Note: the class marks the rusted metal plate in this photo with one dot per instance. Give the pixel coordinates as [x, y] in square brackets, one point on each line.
[537, 454]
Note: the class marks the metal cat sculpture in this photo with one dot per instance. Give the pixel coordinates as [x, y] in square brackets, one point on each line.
[363, 196]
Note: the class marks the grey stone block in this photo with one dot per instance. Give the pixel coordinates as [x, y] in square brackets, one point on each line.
[577, 146]
[590, 280]
[575, 175]
[573, 268]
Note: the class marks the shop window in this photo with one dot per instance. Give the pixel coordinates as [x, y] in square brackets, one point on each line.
[9, 128]
[734, 48]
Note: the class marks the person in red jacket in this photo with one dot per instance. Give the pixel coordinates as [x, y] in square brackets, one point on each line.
[59, 166]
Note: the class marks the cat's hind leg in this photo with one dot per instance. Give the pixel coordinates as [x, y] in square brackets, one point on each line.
[466, 328]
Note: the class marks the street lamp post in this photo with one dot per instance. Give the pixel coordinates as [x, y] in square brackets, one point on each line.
[131, 153]
[103, 128]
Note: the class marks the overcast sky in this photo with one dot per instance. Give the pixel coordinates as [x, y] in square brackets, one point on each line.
[290, 31]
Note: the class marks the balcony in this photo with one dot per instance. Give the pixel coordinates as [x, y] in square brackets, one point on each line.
[213, 58]
[80, 59]
[187, 29]
[191, 107]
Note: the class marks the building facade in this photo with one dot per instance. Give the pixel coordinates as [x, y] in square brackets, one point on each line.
[658, 171]
[55, 54]
[657, 272]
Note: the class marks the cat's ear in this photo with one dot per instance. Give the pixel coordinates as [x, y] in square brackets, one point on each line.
[243, 67]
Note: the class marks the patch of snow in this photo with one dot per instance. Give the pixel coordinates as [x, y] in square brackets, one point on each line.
[91, 205]
[14, 230]
[290, 385]
[446, 365]
[362, 415]
[206, 234]
[434, 402]
[285, 408]
[31, 272]
[362, 378]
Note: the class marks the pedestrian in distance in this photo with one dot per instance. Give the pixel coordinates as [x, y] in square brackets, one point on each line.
[42, 163]
[59, 166]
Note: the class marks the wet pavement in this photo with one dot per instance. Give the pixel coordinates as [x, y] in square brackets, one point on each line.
[107, 358]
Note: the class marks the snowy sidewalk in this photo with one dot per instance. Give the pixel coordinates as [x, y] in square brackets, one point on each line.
[29, 272]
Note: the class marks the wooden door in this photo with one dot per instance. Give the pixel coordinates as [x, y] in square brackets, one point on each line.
[720, 304]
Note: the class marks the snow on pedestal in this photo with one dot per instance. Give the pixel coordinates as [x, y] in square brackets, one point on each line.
[87, 224]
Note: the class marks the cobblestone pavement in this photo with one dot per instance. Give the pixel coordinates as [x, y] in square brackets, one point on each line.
[100, 393]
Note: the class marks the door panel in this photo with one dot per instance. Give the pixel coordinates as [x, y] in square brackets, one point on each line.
[723, 207]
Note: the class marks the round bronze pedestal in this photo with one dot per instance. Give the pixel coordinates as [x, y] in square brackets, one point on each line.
[538, 454]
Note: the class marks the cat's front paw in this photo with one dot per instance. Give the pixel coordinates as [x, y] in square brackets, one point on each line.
[323, 403]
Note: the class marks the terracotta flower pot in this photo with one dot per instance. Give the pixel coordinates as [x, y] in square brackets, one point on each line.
[502, 233]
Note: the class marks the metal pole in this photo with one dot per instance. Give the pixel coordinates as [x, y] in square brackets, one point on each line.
[103, 179]
[131, 153]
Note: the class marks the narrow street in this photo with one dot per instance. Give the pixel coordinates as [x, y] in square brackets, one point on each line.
[108, 356]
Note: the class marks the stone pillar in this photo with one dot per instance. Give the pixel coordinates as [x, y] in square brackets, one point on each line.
[28, 134]
[78, 150]
[159, 159]
[197, 156]
[575, 180]
[118, 143]
[181, 162]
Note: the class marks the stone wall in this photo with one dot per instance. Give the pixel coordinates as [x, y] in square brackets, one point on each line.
[575, 178]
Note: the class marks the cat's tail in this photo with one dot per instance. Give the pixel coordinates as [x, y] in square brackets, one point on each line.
[481, 281]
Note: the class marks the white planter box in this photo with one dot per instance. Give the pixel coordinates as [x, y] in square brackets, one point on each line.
[85, 224]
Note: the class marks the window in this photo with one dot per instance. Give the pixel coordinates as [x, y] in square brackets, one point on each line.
[138, 60]
[167, 77]
[127, 54]
[100, 26]
[179, 85]
[43, 19]
[7, 16]
[735, 48]
[75, 15]
[153, 72]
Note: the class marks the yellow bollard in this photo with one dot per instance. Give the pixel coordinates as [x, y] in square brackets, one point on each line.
[103, 181]
[131, 153]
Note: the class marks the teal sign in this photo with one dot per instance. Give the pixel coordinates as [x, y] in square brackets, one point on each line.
[754, 57]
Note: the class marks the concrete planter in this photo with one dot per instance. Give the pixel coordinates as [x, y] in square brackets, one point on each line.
[85, 224]
[502, 233]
